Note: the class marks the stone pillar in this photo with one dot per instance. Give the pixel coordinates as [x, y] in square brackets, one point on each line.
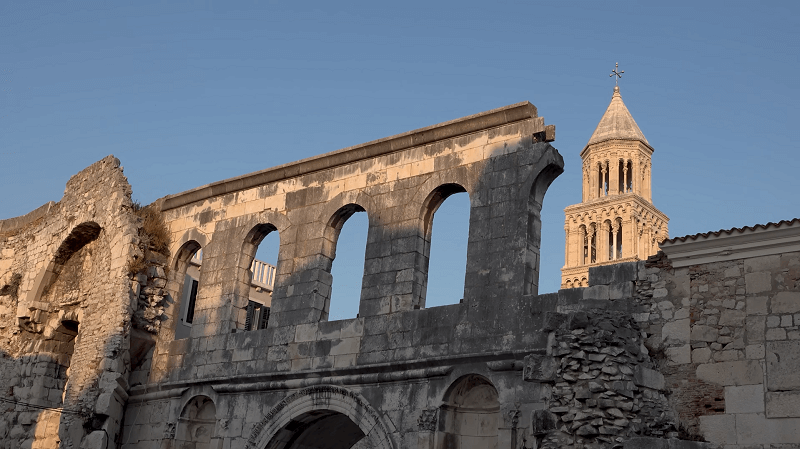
[614, 254]
[613, 177]
[625, 176]
[603, 172]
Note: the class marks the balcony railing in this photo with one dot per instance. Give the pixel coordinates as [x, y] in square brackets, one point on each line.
[263, 273]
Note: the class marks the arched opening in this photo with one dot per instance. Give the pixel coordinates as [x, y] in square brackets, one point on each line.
[347, 237]
[600, 178]
[81, 235]
[533, 240]
[257, 272]
[319, 429]
[187, 270]
[470, 415]
[592, 247]
[54, 378]
[445, 222]
[629, 176]
[620, 176]
[584, 251]
[197, 425]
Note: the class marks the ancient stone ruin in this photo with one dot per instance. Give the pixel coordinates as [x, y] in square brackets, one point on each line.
[664, 353]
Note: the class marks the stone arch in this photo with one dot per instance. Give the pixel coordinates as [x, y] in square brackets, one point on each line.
[334, 223]
[197, 424]
[435, 198]
[178, 288]
[550, 166]
[250, 230]
[78, 237]
[469, 414]
[323, 400]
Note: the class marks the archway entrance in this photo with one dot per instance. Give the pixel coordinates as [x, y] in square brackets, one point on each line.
[319, 429]
[321, 417]
[470, 415]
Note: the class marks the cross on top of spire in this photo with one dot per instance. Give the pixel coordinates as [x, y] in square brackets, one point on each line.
[618, 74]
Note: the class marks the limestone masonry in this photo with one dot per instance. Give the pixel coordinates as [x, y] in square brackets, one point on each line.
[151, 327]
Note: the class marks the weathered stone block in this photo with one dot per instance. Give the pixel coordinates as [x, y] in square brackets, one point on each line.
[539, 368]
[744, 399]
[757, 305]
[543, 421]
[752, 428]
[783, 404]
[646, 377]
[731, 318]
[596, 292]
[785, 302]
[783, 365]
[743, 372]
[620, 290]
[659, 443]
[758, 282]
[676, 332]
[719, 429]
[705, 333]
[610, 274]
[679, 355]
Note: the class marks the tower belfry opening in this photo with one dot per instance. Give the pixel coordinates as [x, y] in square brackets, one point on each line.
[616, 220]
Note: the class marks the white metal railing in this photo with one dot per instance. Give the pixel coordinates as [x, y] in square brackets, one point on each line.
[263, 273]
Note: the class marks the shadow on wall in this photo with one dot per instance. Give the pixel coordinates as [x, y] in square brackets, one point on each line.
[396, 262]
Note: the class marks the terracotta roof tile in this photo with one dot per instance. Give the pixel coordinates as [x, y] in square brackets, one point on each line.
[732, 230]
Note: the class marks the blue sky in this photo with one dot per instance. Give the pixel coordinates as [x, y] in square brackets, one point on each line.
[188, 93]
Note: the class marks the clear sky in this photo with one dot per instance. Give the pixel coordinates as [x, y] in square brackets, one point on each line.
[187, 93]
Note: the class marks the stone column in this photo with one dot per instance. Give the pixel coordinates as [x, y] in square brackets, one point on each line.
[614, 254]
[613, 177]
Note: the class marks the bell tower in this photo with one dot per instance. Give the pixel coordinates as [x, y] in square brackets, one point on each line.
[616, 220]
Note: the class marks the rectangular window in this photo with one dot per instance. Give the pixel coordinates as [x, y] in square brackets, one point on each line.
[192, 298]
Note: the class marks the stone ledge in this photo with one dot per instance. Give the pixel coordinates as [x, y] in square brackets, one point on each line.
[657, 443]
[423, 136]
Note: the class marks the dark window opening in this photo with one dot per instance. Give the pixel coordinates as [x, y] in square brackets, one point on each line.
[347, 264]
[192, 300]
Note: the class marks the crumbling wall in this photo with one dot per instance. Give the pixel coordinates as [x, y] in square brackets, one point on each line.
[606, 386]
[730, 337]
[65, 314]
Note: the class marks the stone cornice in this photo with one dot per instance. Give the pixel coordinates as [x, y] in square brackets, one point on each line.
[467, 125]
[733, 244]
[612, 201]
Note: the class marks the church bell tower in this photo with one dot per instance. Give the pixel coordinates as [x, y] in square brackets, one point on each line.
[616, 220]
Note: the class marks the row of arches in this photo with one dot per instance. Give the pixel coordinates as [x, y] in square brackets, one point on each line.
[615, 177]
[468, 416]
[346, 234]
[601, 243]
[576, 282]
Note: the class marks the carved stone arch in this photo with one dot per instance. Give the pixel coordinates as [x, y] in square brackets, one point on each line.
[431, 204]
[546, 169]
[197, 422]
[333, 216]
[358, 197]
[470, 408]
[183, 244]
[77, 238]
[321, 398]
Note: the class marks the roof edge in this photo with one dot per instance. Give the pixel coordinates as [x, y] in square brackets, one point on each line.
[735, 243]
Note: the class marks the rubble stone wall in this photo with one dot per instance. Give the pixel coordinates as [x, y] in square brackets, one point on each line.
[730, 337]
[65, 314]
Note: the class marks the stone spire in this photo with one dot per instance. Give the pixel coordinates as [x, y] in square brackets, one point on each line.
[616, 220]
[617, 123]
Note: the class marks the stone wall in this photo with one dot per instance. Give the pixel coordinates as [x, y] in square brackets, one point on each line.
[730, 337]
[89, 299]
[65, 314]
